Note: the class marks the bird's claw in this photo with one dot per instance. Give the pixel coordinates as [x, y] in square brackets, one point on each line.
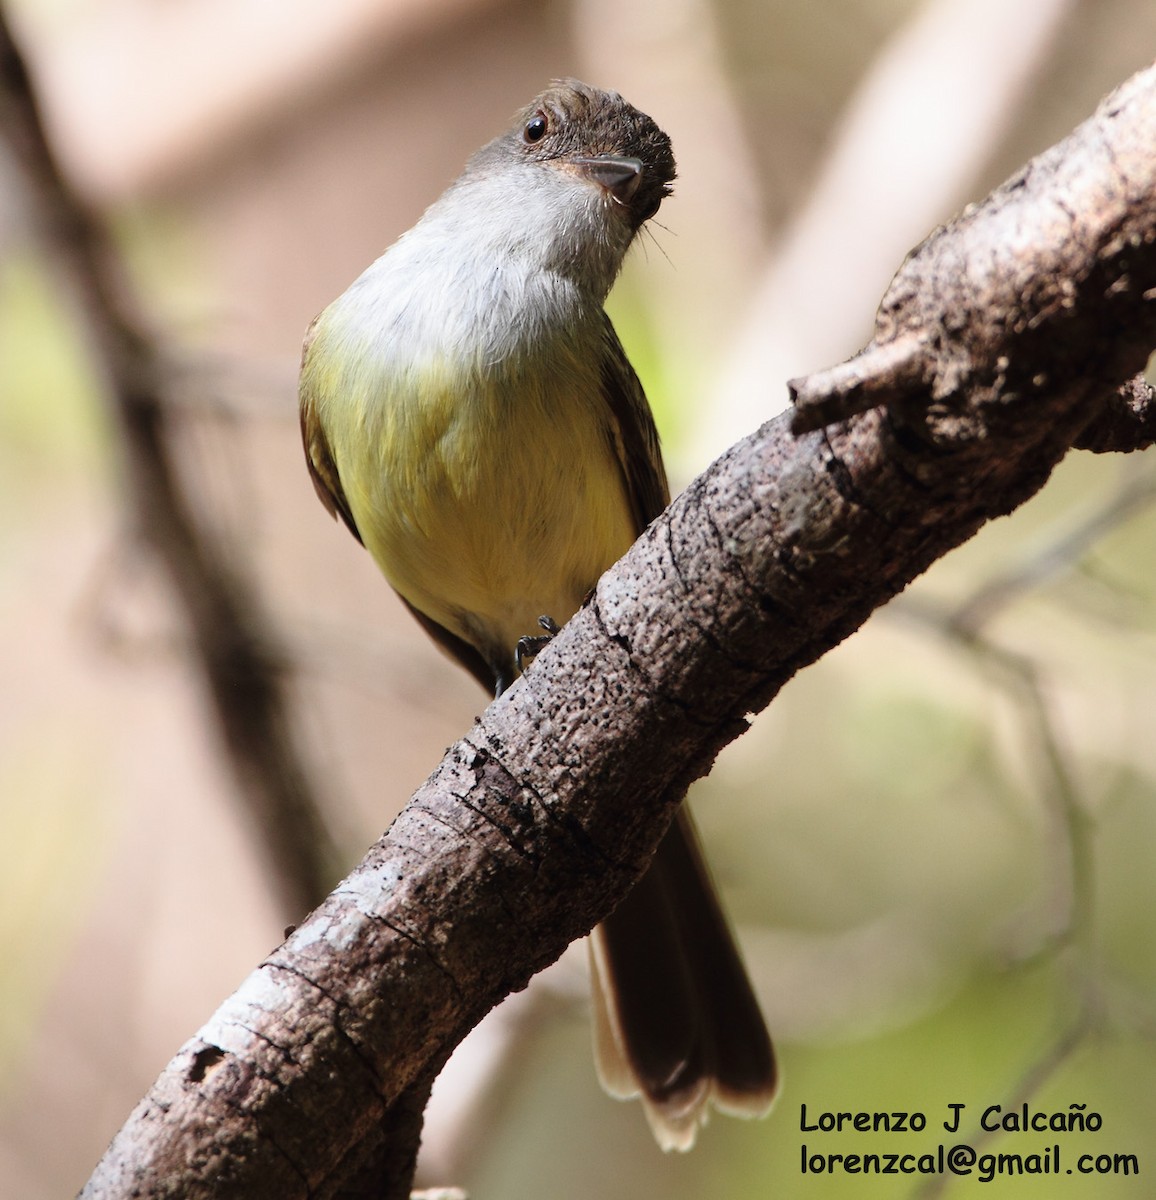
[529, 647]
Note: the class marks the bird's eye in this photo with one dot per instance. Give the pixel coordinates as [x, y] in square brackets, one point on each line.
[536, 127]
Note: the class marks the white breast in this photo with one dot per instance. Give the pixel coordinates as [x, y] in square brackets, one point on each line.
[461, 396]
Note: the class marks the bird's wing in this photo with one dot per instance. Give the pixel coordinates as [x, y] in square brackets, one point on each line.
[635, 436]
[327, 482]
[318, 455]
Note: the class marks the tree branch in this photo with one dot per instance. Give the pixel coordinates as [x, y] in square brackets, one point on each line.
[966, 311]
[1029, 312]
[1127, 422]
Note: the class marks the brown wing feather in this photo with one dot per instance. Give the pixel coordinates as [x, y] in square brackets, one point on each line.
[456, 648]
[634, 432]
[327, 483]
[318, 455]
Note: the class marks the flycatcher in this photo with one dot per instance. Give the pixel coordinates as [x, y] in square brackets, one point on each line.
[468, 411]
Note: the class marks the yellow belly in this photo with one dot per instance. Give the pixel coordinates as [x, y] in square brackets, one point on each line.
[489, 507]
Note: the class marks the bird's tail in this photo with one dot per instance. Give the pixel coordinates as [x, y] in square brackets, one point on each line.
[675, 1020]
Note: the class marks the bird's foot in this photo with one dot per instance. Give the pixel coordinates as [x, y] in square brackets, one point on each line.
[529, 647]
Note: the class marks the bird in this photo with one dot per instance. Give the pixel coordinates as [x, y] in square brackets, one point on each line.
[468, 411]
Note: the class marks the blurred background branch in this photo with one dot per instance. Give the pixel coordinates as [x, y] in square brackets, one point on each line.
[234, 650]
[1062, 793]
[900, 164]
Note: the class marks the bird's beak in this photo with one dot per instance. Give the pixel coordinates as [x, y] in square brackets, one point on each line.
[619, 175]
